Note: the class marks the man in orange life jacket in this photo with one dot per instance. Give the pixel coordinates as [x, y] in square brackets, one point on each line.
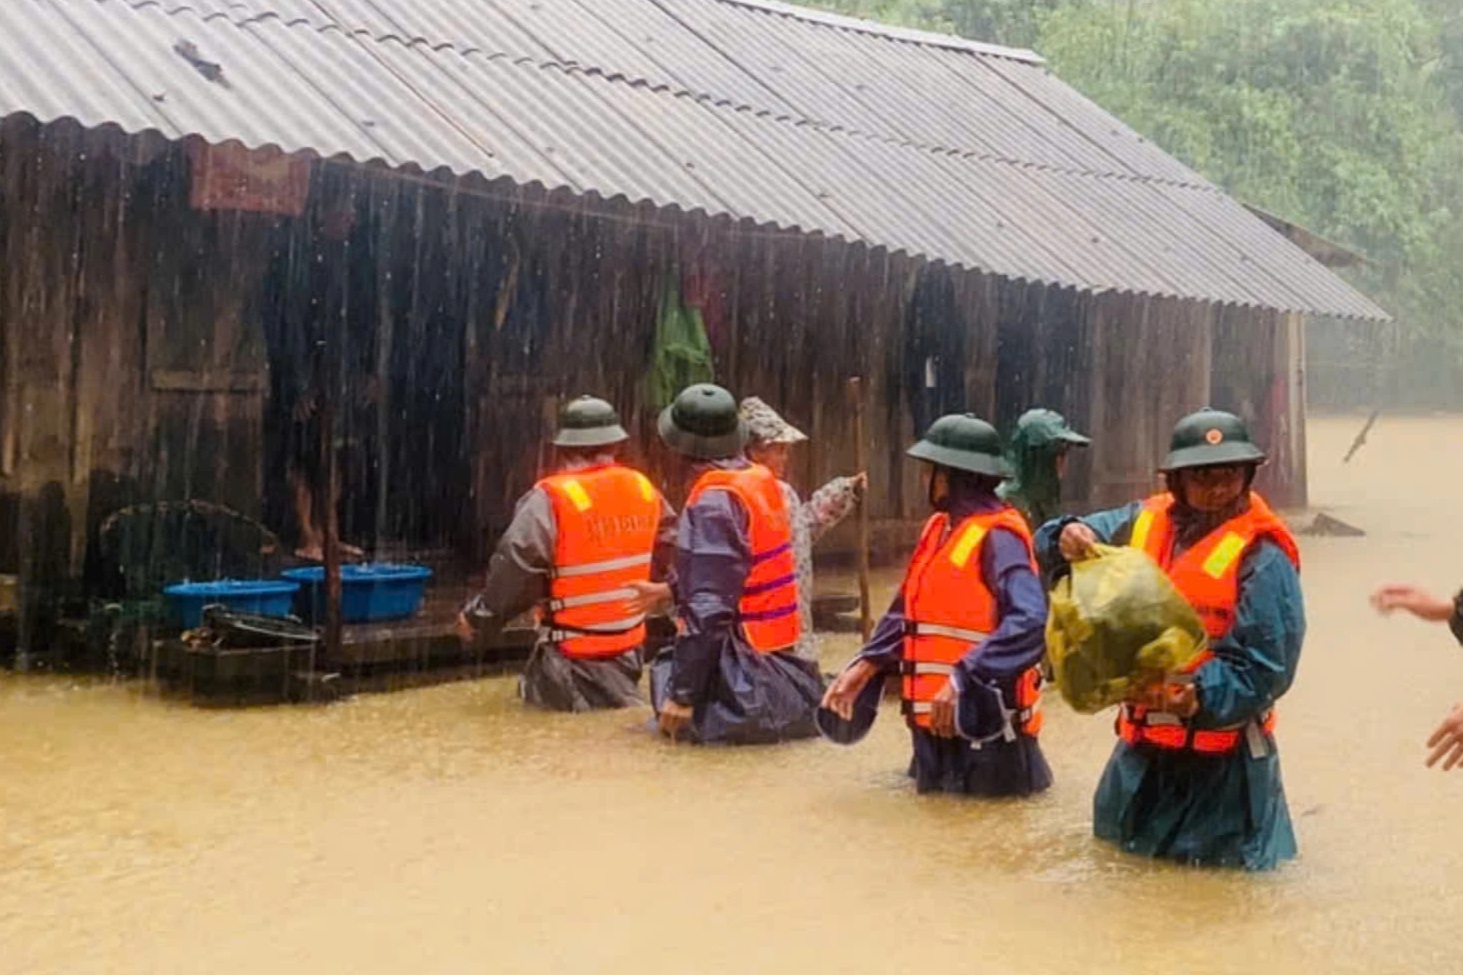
[579, 543]
[966, 632]
[1195, 775]
[732, 676]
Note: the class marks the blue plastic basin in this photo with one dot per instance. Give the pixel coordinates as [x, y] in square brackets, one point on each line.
[262, 596]
[369, 593]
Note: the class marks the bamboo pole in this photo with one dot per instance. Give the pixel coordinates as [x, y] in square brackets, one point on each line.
[330, 512]
[861, 462]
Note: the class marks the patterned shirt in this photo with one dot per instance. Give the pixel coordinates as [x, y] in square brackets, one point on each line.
[829, 505]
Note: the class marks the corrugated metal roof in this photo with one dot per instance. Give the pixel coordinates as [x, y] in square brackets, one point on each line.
[746, 109]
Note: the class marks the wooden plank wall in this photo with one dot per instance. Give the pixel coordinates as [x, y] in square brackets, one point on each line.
[131, 360]
[1259, 373]
[70, 319]
[1150, 361]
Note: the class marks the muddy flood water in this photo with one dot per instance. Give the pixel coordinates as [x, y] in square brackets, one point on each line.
[449, 830]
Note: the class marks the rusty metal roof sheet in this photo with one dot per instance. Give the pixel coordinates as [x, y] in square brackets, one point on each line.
[747, 109]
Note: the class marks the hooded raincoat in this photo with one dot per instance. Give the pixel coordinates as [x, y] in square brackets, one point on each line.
[738, 695]
[518, 580]
[985, 679]
[1211, 810]
[1036, 491]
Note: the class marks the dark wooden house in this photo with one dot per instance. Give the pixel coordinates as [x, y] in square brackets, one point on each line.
[477, 208]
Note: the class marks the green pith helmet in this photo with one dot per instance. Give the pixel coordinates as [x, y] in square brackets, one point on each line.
[1039, 428]
[964, 442]
[1210, 437]
[589, 422]
[1040, 439]
[703, 422]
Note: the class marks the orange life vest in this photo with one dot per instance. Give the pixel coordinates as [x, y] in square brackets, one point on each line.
[768, 610]
[606, 520]
[949, 609]
[1207, 575]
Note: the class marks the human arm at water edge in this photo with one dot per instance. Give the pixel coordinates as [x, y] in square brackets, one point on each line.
[518, 572]
[881, 655]
[1447, 739]
[1422, 604]
[831, 503]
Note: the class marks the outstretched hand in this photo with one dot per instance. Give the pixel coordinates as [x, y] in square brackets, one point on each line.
[846, 688]
[1447, 741]
[1412, 599]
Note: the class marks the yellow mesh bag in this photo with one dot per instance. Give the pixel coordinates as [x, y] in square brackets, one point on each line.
[1116, 622]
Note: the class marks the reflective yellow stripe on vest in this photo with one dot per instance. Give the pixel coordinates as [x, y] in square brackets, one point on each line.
[1231, 547]
[921, 668]
[592, 599]
[1141, 530]
[968, 543]
[952, 632]
[577, 495]
[594, 568]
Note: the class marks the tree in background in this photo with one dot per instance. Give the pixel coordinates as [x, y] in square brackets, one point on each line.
[1014, 23]
[1328, 112]
[1345, 116]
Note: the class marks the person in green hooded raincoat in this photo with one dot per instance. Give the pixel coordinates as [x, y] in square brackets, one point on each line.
[1172, 790]
[1038, 454]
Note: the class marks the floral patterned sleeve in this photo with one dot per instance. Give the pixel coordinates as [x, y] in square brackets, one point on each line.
[829, 505]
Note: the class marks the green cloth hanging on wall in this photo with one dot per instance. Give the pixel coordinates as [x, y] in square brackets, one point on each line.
[682, 354]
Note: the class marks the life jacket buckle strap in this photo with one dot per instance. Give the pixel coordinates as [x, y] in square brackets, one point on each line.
[1256, 740]
[561, 632]
[1169, 732]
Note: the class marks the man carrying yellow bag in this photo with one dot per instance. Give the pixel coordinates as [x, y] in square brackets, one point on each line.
[1195, 775]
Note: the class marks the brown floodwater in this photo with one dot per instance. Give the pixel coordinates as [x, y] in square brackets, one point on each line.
[447, 829]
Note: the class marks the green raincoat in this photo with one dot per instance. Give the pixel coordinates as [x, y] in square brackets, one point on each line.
[682, 355]
[1036, 490]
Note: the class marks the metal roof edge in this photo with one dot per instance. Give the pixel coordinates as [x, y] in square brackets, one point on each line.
[1326, 251]
[448, 179]
[907, 34]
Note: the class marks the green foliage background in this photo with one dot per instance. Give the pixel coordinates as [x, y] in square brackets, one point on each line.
[1343, 115]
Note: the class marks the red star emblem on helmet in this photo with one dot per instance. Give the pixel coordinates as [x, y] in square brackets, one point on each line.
[1215, 436]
